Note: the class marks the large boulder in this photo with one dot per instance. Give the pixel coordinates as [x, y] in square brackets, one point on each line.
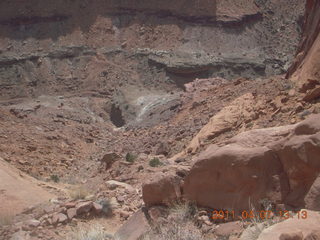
[279, 164]
[233, 177]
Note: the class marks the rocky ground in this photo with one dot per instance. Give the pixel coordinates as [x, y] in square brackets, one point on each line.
[110, 117]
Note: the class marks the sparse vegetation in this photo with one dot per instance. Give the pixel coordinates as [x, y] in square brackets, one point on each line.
[155, 162]
[131, 157]
[55, 178]
[79, 192]
[107, 206]
[181, 225]
[257, 223]
[94, 232]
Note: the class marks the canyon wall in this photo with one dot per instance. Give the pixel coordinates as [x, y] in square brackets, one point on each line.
[102, 47]
[305, 70]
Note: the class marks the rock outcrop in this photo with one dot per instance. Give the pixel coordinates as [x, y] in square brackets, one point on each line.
[279, 164]
[241, 109]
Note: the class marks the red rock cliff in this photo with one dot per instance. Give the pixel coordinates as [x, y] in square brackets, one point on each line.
[305, 71]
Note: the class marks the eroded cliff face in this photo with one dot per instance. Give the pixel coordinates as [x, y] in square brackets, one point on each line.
[98, 46]
[305, 70]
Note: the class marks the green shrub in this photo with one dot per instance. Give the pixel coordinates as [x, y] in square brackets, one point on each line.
[107, 206]
[55, 178]
[130, 157]
[155, 162]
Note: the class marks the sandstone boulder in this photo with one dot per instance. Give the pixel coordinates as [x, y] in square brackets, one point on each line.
[314, 235]
[293, 228]
[162, 189]
[233, 177]
[300, 158]
[134, 228]
[83, 207]
[59, 218]
[71, 213]
[109, 158]
[279, 164]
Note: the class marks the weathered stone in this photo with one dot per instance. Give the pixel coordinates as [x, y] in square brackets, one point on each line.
[112, 184]
[280, 164]
[124, 214]
[291, 236]
[230, 228]
[162, 189]
[70, 204]
[59, 218]
[312, 94]
[97, 208]
[83, 207]
[293, 227]
[134, 228]
[33, 223]
[314, 235]
[234, 176]
[109, 158]
[62, 218]
[225, 120]
[71, 213]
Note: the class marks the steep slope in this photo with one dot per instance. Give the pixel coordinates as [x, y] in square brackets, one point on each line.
[19, 191]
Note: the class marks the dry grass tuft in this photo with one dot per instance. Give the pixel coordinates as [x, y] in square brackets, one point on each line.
[257, 224]
[94, 232]
[6, 218]
[180, 225]
[79, 192]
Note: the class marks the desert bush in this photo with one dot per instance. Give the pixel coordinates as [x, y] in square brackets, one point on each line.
[183, 212]
[107, 206]
[155, 162]
[55, 178]
[79, 192]
[130, 157]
